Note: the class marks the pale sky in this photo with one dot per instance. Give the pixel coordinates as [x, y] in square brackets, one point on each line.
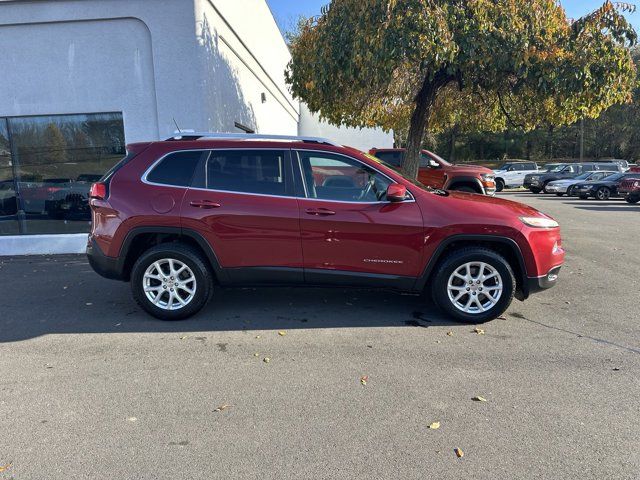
[287, 12]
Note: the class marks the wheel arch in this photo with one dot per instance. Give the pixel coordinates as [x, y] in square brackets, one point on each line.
[505, 246]
[465, 181]
[140, 239]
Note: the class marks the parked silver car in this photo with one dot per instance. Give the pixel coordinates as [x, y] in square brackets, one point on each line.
[565, 186]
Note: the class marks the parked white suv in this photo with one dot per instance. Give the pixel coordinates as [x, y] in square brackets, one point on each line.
[511, 174]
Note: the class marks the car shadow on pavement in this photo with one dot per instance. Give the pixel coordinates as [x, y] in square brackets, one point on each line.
[61, 295]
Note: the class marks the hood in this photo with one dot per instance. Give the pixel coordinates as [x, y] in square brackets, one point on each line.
[609, 183]
[474, 169]
[469, 208]
[566, 181]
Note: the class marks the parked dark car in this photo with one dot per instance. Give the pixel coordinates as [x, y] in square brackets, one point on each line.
[629, 189]
[537, 182]
[602, 189]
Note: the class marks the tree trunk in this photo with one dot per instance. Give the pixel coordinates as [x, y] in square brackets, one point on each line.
[419, 121]
[452, 143]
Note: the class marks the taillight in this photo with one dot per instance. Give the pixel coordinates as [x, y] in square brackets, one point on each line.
[99, 191]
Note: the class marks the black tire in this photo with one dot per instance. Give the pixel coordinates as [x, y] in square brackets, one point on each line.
[632, 200]
[499, 184]
[603, 194]
[584, 197]
[458, 258]
[559, 194]
[544, 187]
[189, 257]
[535, 190]
[570, 191]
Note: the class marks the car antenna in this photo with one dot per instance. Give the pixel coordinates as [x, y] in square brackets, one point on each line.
[174, 121]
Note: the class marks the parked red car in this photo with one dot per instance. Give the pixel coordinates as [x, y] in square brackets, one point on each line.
[436, 172]
[629, 189]
[181, 217]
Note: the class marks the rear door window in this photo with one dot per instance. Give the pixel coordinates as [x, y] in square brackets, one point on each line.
[263, 172]
[176, 169]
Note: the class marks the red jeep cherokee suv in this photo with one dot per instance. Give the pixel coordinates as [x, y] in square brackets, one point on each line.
[436, 172]
[179, 218]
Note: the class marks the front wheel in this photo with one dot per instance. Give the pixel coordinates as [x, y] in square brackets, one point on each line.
[559, 194]
[535, 190]
[603, 193]
[499, 184]
[474, 285]
[171, 281]
[633, 200]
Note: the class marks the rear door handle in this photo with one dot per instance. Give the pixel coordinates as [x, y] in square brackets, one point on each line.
[204, 204]
[320, 212]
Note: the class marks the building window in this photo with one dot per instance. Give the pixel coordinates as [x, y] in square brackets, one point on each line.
[47, 166]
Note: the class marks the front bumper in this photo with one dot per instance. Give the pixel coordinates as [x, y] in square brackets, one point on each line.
[538, 284]
[556, 189]
[532, 184]
[582, 192]
[108, 267]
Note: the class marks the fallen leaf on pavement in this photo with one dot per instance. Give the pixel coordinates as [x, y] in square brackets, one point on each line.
[266, 359]
[502, 318]
[183, 337]
[222, 407]
[132, 419]
[479, 399]
[479, 331]
[459, 452]
[449, 334]
[434, 426]
[256, 354]
[4, 468]
[364, 379]
[282, 333]
[616, 369]
[257, 336]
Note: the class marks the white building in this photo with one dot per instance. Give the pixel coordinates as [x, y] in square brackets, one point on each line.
[79, 79]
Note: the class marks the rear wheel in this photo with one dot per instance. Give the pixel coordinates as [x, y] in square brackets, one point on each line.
[171, 281]
[633, 200]
[474, 285]
[603, 193]
[535, 190]
[559, 194]
[499, 184]
[570, 191]
[584, 197]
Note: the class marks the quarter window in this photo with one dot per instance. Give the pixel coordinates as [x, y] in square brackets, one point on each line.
[247, 171]
[334, 177]
[176, 169]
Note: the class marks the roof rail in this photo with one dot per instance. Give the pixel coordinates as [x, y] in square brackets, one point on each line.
[188, 135]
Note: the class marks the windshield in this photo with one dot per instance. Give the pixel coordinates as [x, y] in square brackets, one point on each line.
[505, 166]
[552, 167]
[586, 176]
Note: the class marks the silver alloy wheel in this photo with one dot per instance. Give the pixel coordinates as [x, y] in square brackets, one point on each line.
[475, 287]
[169, 284]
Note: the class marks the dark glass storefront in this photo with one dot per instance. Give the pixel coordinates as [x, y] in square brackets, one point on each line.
[47, 165]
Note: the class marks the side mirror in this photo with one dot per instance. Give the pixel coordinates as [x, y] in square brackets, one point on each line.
[396, 192]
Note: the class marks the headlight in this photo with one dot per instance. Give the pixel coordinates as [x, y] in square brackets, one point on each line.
[488, 177]
[539, 222]
[636, 184]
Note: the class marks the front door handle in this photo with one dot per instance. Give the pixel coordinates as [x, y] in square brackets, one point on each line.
[320, 212]
[204, 204]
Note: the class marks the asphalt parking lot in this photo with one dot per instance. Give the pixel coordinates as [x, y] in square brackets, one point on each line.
[91, 387]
